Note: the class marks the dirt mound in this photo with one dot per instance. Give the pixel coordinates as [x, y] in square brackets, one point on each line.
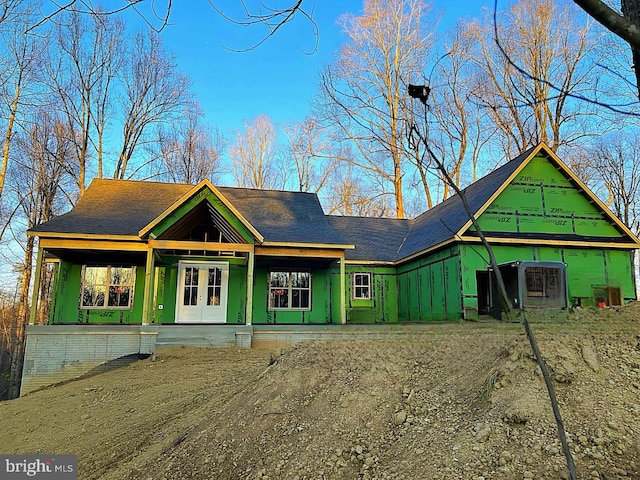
[460, 401]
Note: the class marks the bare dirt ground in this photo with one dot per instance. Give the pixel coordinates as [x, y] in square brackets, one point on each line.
[455, 401]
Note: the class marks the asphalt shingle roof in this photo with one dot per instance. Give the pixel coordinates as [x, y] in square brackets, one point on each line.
[124, 207]
[374, 238]
[116, 207]
[280, 216]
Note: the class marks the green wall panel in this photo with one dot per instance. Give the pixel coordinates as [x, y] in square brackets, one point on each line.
[523, 198]
[429, 288]
[438, 292]
[540, 171]
[67, 302]
[413, 286]
[426, 299]
[542, 200]
[596, 228]
[620, 272]
[585, 269]
[453, 289]
[403, 295]
[490, 222]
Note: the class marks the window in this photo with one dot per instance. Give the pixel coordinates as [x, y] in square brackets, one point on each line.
[289, 290]
[107, 287]
[361, 289]
[544, 286]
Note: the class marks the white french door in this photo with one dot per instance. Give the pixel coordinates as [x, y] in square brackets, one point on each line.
[202, 292]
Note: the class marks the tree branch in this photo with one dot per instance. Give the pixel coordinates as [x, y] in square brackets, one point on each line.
[612, 20]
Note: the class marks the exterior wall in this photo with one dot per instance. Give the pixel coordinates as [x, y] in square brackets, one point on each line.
[383, 305]
[66, 304]
[429, 288]
[588, 270]
[321, 308]
[539, 201]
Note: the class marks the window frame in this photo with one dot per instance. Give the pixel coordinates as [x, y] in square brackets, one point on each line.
[355, 286]
[106, 287]
[289, 290]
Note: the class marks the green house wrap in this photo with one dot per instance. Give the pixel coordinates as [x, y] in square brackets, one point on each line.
[152, 253]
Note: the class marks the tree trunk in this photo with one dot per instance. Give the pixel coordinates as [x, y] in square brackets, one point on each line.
[631, 11]
[7, 139]
[19, 338]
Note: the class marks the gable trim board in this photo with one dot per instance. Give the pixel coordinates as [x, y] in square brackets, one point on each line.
[290, 233]
[205, 184]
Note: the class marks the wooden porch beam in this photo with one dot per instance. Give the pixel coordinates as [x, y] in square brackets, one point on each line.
[300, 252]
[343, 293]
[204, 246]
[250, 268]
[91, 244]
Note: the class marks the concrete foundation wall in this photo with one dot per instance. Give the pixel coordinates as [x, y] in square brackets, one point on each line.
[57, 353]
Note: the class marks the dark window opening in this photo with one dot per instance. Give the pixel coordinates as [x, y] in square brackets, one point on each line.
[544, 286]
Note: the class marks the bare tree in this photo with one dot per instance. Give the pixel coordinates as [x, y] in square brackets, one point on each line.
[364, 89]
[616, 165]
[81, 79]
[254, 154]
[8, 9]
[36, 178]
[351, 193]
[20, 56]
[310, 152]
[189, 150]
[154, 92]
[460, 129]
[532, 103]
[624, 24]
[157, 14]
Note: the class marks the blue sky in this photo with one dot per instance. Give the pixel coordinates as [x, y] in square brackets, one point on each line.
[278, 78]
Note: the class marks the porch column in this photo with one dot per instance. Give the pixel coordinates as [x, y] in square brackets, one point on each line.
[343, 293]
[36, 287]
[250, 266]
[147, 301]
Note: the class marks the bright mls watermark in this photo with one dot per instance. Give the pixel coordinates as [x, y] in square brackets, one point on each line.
[49, 467]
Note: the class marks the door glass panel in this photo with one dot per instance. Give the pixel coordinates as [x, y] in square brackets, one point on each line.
[190, 286]
[214, 286]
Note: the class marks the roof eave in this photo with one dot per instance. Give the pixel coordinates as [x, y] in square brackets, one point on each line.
[336, 246]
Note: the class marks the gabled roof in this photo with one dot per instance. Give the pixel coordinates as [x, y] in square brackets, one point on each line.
[126, 209]
[203, 185]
